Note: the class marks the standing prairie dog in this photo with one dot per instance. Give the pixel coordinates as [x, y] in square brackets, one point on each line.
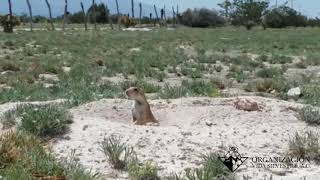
[141, 112]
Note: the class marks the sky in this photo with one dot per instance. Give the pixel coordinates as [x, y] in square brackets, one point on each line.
[310, 8]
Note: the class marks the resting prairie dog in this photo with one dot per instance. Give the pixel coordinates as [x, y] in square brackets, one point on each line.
[141, 112]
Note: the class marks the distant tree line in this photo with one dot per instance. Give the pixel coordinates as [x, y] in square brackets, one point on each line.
[248, 13]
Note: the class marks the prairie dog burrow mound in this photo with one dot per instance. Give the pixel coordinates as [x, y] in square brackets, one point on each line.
[141, 111]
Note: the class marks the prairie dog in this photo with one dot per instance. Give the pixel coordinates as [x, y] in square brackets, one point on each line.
[141, 112]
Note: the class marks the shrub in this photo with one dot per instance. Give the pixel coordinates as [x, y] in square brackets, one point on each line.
[45, 121]
[269, 72]
[220, 82]
[8, 22]
[145, 171]
[245, 62]
[305, 144]
[247, 13]
[75, 171]
[114, 149]
[313, 59]
[172, 92]
[12, 147]
[218, 68]
[22, 156]
[8, 66]
[280, 59]
[201, 18]
[301, 64]
[212, 168]
[310, 115]
[200, 88]
[237, 73]
[284, 16]
[8, 119]
[311, 95]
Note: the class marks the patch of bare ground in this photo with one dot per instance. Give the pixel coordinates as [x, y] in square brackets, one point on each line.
[188, 128]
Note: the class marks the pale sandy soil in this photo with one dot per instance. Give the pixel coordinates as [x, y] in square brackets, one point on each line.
[188, 128]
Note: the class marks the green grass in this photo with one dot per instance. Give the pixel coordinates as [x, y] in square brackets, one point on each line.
[212, 168]
[269, 72]
[118, 153]
[279, 59]
[310, 115]
[189, 89]
[30, 54]
[22, 156]
[305, 144]
[45, 121]
[144, 171]
[311, 95]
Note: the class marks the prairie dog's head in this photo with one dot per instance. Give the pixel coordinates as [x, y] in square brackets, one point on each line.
[135, 93]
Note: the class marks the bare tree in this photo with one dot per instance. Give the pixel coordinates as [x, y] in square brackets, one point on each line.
[30, 14]
[65, 14]
[108, 13]
[117, 4]
[10, 9]
[173, 17]
[165, 15]
[177, 14]
[140, 13]
[132, 8]
[8, 24]
[94, 14]
[50, 15]
[156, 12]
[85, 20]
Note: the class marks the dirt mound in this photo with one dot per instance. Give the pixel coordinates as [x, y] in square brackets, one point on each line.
[188, 128]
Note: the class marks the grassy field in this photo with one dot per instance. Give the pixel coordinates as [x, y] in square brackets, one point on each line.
[35, 66]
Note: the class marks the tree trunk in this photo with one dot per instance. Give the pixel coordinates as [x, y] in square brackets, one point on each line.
[132, 8]
[94, 14]
[65, 14]
[30, 14]
[10, 8]
[84, 18]
[8, 25]
[108, 13]
[140, 13]
[165, 16]
[150, 18]
[173, 17]
[155, 10]
[50, 15]
[177, 15]
[118, 12]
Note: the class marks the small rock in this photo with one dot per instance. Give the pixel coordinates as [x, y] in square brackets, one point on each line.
[67, 138]
[185, 133]
[49, 77]
[182, 157]
[47, 85]
[85, 127]
[294, 92]
[209, 123]
[66, 69]
[246, 105]
[135, 50]
[152, 124]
